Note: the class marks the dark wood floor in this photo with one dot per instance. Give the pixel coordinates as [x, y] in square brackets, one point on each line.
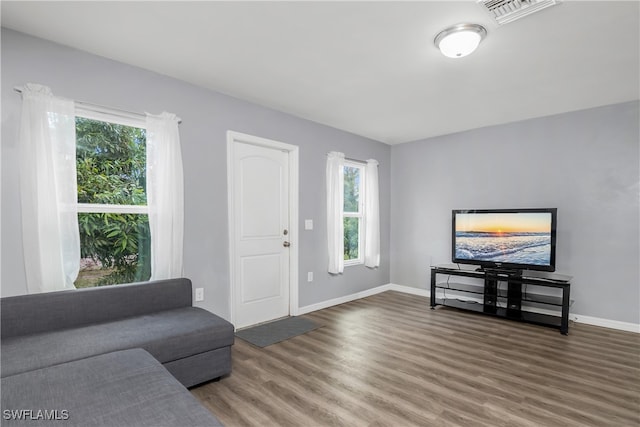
[388, 360]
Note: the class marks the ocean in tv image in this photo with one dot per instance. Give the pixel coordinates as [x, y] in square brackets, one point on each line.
[522, 238]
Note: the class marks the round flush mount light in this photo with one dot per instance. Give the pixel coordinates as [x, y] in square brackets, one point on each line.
[459, 40]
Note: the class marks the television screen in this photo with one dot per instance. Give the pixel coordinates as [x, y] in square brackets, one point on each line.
[507, 238]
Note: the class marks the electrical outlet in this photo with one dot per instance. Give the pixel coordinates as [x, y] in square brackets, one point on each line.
[310, 276]
[199, 294]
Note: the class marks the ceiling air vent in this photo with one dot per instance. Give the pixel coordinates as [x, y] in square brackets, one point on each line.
[505, 11]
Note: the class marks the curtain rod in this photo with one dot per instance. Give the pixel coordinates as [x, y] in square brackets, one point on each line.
[102, 109]
[364, 162]
[355, 160]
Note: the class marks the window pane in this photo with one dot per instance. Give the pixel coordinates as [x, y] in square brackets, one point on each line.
[351, 226]
[110, 162]
[351, 189]
[115, 248]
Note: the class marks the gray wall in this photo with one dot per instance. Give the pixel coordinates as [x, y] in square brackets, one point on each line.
[585, 163]
[206, 117]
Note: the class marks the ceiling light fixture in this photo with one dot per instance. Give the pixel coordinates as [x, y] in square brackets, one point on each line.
[459, 40]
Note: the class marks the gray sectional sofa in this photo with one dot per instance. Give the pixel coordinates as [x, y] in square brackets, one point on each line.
[94, 347]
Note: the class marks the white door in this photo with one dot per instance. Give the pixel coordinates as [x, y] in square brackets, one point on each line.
[261, 233]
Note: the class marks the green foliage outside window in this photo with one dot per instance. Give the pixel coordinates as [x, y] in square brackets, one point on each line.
[351, 189]
[351, 238]
[111, 165]
[351, 204]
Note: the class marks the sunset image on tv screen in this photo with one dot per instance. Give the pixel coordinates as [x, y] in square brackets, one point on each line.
[521, 238]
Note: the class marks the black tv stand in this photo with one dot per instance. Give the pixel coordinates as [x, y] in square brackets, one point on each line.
[500, 293]
[501, 271]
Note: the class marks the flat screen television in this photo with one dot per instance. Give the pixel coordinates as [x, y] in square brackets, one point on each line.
[509, 239]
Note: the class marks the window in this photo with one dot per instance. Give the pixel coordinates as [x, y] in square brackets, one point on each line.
[123, 169]
[112, 201]
[352, 213]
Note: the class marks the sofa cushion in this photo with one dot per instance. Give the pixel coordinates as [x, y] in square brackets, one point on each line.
[50, 311]
[169, 335]
[124, 388]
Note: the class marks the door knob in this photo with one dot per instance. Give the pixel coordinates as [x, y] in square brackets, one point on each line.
[286, 244]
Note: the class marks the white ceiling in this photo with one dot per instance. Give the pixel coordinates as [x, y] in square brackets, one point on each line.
[369, 68]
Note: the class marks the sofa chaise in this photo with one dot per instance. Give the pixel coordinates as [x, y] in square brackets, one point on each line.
[141, 331]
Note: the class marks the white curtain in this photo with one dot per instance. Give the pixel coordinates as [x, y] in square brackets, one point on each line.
[335, 202]
[48, 190]
[165, 196]
[371, 215]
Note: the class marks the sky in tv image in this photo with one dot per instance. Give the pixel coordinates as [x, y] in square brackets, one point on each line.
[522, 238]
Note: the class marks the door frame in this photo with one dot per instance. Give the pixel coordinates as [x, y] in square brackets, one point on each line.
[293, 152]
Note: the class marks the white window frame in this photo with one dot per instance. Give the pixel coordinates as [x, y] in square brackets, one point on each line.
[104, 115]
[359, 214]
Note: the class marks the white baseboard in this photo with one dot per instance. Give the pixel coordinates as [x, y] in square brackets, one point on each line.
[606, 323]
[363, 294]
[341, 300]
[578, 318]
[410, 290]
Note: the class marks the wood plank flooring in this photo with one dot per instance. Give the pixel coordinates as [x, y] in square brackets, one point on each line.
[388, 360]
